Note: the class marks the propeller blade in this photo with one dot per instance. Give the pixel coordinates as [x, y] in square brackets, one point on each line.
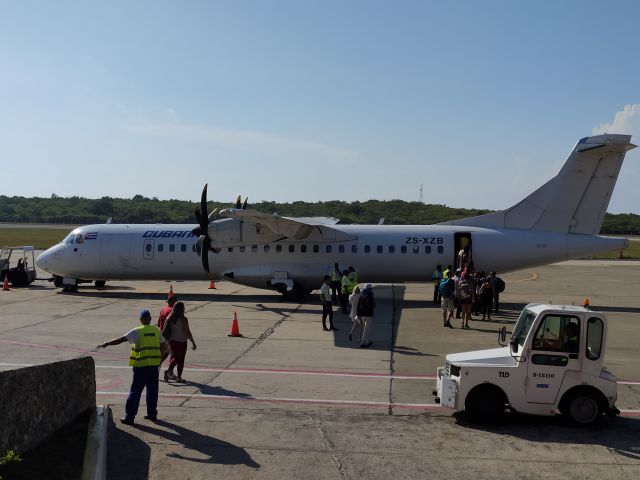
[204, 254]
[203, 217]
[244, 205]
[239, 202]
[215, 210]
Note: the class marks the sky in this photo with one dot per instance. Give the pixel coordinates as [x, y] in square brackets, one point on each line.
[477, 102]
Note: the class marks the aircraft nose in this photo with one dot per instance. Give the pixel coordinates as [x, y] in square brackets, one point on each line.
[43, 260]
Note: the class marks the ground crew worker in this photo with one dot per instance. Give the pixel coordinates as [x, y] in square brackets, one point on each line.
[335, 282]
[436, 276]
[148, 349]
[327, 308]
[353, 279]
[344, 291]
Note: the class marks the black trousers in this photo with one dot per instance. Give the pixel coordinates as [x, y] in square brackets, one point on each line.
[335, 291]
[497, 301]
[436, 294]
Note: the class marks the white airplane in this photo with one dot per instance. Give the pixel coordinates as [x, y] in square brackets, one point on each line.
[559, 221]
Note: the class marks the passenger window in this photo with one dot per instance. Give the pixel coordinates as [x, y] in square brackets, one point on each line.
[278, 248]
[440, 249]
[303, 248]
[416, 249]
[341, 248]
[241, 249]
[160, 247]
[148, 247]
[427, 249]
[403, 249]
[558, 333]
[254, 248]
[354, 248]
[392, 249]
[367, 249]
[316, 249]
[172, 247]
[595, 334]
[267, 248]
[230, 249]
[292, 248]
[183, 247]
[379, 249]
[327, 249]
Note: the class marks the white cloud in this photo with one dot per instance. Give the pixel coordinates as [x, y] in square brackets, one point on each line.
[626, 121]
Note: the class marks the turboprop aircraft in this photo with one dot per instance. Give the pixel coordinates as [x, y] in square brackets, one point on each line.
[559, 221]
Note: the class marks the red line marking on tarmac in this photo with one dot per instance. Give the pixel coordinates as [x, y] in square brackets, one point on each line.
[203, 368]
[315, 401]
[310, 401]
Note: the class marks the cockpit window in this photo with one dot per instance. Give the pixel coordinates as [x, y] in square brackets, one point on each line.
[69, 239]
[79, 238]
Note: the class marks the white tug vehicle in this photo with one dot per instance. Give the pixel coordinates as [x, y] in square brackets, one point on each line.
[552, 365]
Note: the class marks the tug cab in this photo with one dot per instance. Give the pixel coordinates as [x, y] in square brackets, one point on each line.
[18, 264]
[553, 364]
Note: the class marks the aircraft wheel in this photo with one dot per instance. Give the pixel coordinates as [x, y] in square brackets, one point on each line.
[100, 283]
[583, 409]
[57, 281]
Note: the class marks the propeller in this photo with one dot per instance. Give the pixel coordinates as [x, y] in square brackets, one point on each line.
[202, 230]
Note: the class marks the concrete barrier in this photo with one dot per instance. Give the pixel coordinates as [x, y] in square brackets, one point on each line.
[36, 401]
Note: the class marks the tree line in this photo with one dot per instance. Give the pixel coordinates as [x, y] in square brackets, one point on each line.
[140, 209]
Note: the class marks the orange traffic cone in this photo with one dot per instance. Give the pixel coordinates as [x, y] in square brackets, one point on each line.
[5, 284]
[170, 295]
[235, 330]
[585, 303]
[212, 286]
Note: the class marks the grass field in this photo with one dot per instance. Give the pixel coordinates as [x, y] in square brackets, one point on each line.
[42, 238]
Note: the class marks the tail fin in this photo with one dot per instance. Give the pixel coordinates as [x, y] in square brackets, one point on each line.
[575, 200]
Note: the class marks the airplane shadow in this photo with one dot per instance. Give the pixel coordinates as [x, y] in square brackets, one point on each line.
[217, 451]
[619, 434]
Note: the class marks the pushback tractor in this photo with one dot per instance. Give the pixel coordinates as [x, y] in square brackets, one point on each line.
[553, 364]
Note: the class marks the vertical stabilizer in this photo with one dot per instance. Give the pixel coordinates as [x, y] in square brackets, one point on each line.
[576, 199]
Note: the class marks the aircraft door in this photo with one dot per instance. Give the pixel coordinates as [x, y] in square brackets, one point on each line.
[147, 249]
[462, 241]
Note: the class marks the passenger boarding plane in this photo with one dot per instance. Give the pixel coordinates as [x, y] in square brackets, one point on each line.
[559, 221]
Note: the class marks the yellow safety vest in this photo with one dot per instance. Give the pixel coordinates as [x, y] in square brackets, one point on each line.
[353, 281]
[147, 352]
[345, 284]
[335, 275]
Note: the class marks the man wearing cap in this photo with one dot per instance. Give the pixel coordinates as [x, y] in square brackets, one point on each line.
[147, 350]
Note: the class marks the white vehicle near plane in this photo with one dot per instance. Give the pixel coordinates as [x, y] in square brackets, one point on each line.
[554, 364]
[559, 221]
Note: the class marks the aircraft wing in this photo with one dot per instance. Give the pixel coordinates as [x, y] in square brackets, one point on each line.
[312, 228]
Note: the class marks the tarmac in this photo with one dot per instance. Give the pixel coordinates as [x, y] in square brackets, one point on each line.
[288, 400]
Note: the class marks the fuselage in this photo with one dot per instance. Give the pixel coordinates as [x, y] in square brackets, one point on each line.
[379, 253]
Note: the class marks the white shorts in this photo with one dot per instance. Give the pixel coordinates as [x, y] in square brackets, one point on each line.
[447, 304]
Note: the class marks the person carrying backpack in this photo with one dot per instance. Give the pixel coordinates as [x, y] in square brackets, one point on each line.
[366, 305]
[447, 290]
